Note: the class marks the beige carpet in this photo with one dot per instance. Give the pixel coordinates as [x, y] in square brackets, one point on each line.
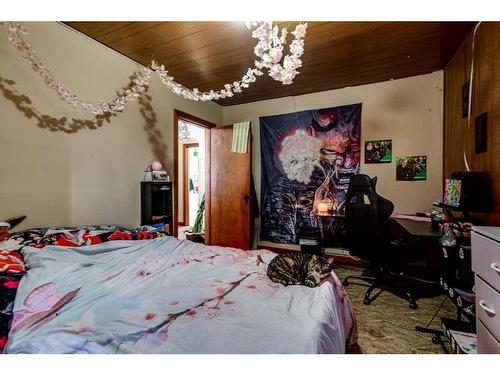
[388, 324]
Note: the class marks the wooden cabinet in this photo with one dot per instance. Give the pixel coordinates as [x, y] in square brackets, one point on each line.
[486, 265]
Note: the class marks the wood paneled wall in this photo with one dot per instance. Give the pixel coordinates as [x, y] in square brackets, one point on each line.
[458, 136]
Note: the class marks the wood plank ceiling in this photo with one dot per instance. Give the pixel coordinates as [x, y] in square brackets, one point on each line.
[337, 54]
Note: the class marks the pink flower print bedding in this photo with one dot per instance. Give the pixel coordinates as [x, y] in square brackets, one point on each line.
[171, 296]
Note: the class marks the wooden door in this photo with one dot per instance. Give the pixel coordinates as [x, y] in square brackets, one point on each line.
[229, 221]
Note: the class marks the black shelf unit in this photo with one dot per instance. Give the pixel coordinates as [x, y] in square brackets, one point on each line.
[156, 204]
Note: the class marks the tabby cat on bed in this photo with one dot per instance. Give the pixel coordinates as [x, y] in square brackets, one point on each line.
[299, 269]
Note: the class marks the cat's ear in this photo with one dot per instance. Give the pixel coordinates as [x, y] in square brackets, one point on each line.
[374, 181]
[330, 260]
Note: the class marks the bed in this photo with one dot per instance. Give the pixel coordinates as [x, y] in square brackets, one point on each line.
[163, 295]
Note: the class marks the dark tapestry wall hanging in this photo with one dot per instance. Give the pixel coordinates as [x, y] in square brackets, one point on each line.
[306, 157]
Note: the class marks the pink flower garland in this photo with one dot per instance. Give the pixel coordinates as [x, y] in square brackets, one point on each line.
[269, 50]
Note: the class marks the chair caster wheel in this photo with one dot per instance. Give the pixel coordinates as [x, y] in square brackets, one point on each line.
[345, 283]
[413, 305]
[435, 340]
[367, 301]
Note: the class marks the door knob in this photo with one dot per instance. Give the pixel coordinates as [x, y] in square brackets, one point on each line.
[247, 198]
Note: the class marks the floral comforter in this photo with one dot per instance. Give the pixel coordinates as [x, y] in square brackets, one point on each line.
[170, 296]
[12, 267]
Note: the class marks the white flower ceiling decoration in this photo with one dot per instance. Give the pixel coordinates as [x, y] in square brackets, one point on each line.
[269, 52]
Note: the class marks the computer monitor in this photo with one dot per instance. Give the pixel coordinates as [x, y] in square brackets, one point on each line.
[452, 192]
[468, 191]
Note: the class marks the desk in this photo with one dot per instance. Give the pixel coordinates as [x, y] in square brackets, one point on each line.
[427, 247]
[419, 228]
[330, 228]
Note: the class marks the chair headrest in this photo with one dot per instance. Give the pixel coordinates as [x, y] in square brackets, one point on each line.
[362, 181]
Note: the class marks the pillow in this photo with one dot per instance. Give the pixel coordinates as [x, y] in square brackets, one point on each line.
[8, 289]
[40, 237]
[84, 235]
[35, 235]
[11, 262]
[28, 236]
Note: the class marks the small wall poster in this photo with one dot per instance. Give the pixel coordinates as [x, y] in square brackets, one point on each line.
[411, 168]
[377, 152]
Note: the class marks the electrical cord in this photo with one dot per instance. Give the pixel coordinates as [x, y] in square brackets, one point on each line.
[437, 311]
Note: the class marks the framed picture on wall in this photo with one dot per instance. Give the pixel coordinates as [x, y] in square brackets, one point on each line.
[378, 152]
[465, 99]
[411, 168]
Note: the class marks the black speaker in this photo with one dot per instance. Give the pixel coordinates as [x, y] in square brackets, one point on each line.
[156, 204]
[309, 240]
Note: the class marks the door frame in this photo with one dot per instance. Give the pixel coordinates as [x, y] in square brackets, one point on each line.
[179, 115]
[185, 179]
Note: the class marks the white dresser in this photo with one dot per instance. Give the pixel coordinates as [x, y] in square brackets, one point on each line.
[486, 265]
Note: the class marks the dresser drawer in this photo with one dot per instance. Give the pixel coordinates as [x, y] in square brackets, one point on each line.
[486, 343]
[486, 259]
[488, 306]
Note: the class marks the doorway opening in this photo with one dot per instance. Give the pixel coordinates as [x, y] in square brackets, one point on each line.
[193, 181]
[191, 163]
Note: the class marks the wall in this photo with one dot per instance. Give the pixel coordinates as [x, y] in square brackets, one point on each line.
[458, 134]
[409, 111]
[61, 166]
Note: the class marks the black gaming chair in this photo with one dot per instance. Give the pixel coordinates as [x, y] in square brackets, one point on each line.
[367, 216]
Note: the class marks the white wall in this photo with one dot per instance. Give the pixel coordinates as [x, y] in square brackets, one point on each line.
[93, 175]
[409, 111]
[88, 176]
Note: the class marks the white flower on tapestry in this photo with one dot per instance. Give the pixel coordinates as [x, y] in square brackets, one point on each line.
[300, 154]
